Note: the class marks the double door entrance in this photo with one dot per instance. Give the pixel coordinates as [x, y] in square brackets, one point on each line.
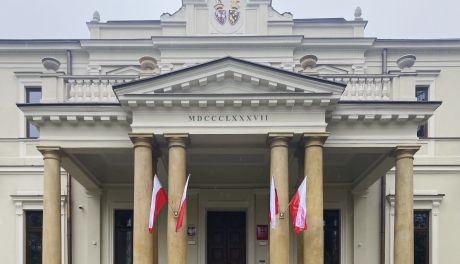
[226, 238]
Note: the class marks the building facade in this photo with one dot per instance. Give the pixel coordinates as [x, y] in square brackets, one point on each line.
[233, 93]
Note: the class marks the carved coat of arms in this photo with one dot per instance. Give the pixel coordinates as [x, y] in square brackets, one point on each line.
[233, 13]
[220, 13]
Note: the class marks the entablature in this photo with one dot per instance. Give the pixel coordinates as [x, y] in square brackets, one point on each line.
[380, 111]
[75, 113]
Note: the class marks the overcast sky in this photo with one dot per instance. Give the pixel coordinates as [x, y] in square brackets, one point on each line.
[65, 19]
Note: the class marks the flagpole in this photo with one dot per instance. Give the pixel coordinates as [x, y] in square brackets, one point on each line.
[188, 177]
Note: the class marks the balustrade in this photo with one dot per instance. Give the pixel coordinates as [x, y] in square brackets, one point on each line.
[92, 89]
[99, 88]
[365, 87]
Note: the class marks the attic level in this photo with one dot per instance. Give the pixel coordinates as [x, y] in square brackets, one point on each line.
[227, 17]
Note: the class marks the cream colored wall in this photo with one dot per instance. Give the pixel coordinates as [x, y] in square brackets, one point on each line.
[78, 223]
[448, 91]
[366, 225]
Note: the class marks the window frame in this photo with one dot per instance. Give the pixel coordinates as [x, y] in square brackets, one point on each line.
[428, 78]
[345, 222]
[339, 228]
[25, 79]
[113, 206]
[428, 212]
[115, 230]
[33, 201]
[424, 127]
[27, 91]
[429, 200]
[28, 230]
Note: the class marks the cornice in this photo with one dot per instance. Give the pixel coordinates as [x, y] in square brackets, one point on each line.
[353, 43]
[222, 41]
[116, 43]
[39, 44]
[388, 111]
[74, 113]
[417, 44]
[229, 100]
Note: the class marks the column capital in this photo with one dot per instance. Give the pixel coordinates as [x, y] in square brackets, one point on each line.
[142, 139]
[279, 139]
[177, 140]
[405, 151]
[50, 152]
[315, 138]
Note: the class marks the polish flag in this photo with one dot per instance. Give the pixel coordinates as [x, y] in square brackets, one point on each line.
[274, 206]
[159, 199]
[183, 202]
[298, 208]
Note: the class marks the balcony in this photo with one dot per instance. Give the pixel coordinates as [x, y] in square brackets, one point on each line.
[84, 89]
[364, 87]
[360, 87]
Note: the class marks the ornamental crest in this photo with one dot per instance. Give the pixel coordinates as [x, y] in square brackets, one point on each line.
[233, 12]
[220, 13]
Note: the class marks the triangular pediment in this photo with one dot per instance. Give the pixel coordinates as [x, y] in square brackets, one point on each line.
[229, 76]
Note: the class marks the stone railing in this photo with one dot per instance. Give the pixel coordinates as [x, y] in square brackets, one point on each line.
[364, 87]
[92, 88]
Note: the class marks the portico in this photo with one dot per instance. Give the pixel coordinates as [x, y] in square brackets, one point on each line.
[232, 124]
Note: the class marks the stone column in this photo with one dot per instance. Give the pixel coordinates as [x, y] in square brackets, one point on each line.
[177, 241]
[51, 251]
[143, 244]
[404, 207]
[313, 237]
[279, 236]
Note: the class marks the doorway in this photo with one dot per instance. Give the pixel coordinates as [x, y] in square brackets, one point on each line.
[226, 238]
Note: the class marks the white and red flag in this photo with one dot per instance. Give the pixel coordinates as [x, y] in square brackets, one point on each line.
[298, 208]
[183, 202]
[274, 205]
[159, 199]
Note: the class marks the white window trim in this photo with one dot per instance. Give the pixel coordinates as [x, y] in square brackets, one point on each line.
[26, 79]
[423, 200]
[430, 82]
[344, 223]
[26, 201]
[113, 206]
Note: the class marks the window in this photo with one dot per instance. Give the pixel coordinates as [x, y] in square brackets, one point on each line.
[421, 237]
[331, 236]
[427, 213]
[123, 234]
[33, 229]
[33, 96]
[421, 93]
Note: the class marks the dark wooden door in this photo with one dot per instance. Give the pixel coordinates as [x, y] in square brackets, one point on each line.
[226, 238]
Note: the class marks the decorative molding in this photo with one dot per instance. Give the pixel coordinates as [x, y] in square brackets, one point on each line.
[349, 111]
[423, 200]
[33, 201]
[75, 113]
